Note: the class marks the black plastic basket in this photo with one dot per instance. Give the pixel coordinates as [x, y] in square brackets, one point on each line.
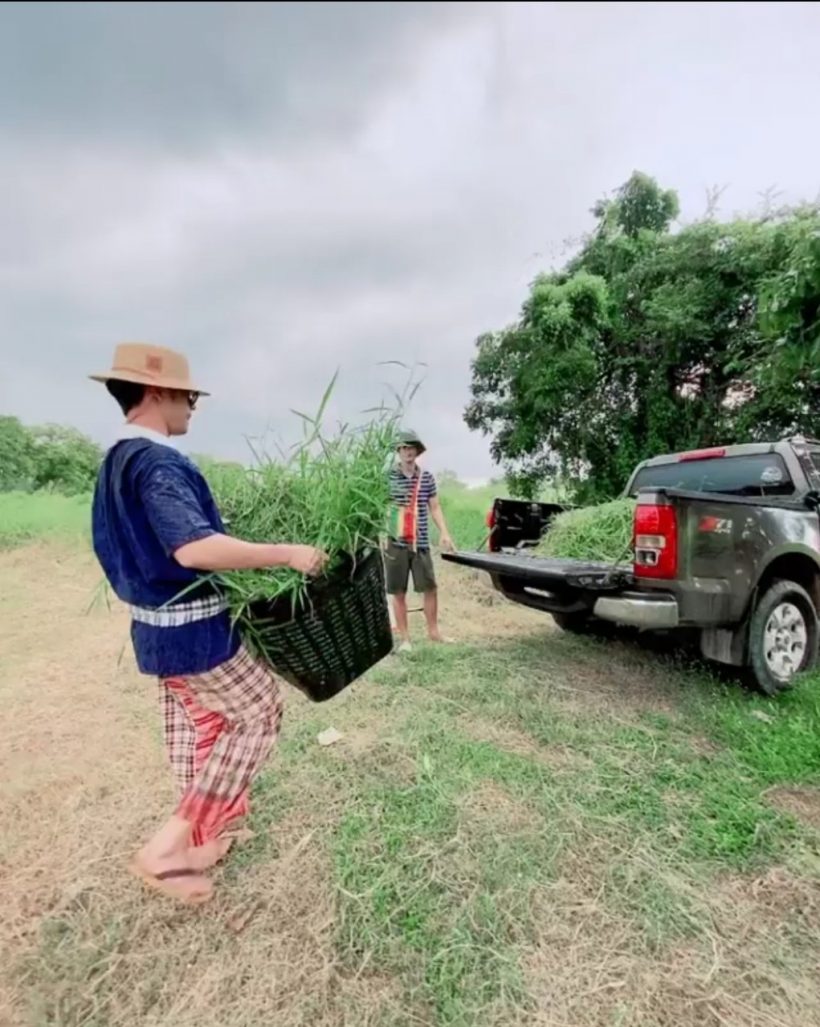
[340, 629]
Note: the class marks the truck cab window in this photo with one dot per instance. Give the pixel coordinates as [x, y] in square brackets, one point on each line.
[758, 474]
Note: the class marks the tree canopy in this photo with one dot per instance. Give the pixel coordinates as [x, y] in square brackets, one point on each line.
[653, 340]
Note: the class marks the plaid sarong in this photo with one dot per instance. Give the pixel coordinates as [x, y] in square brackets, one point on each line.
[219, 728]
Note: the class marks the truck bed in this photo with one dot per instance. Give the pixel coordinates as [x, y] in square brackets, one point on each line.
[726, 543]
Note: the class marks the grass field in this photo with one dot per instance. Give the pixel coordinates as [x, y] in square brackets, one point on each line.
[466, 512]
[523, 828]
[25, 516]
[38, 515]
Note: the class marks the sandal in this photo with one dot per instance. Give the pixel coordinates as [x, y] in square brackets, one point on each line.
[164, 882]
[219, 848]
[207, 855]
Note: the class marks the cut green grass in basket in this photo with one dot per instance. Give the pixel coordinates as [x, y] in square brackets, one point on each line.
[600, 534]
[330, 491]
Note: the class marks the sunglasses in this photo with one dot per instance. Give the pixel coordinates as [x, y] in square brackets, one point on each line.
[193, 399]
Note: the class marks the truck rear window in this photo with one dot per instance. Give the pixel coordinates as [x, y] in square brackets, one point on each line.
[758, 474]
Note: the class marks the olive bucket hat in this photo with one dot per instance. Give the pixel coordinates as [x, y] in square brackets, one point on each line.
[410, 438]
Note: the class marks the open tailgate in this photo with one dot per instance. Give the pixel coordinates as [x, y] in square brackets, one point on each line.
[546, 572]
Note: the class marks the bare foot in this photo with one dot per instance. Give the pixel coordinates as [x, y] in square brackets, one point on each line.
[207, 855]
[436, 636]
[203, 857]
[173, 876]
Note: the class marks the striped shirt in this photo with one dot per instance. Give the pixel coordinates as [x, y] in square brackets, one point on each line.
[413, 528]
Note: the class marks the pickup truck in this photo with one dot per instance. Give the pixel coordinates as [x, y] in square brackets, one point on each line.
[726, 542]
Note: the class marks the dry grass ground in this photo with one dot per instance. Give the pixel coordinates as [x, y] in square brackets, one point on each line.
[523, 828]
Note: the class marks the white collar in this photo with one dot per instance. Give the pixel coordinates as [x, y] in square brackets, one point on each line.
[137, 431]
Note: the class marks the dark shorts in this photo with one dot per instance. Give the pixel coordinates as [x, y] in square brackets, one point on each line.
[400, 562]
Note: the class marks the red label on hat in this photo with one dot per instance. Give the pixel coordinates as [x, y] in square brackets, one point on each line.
[153, 364]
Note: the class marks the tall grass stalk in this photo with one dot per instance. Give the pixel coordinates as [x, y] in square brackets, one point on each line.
[331, 490]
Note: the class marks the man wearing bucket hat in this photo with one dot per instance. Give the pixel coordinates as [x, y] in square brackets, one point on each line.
[156, 532]
[414, 499]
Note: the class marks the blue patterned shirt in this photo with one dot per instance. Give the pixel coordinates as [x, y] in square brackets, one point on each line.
[148, 502]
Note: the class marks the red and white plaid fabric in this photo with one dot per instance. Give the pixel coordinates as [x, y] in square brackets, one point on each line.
[219, 728]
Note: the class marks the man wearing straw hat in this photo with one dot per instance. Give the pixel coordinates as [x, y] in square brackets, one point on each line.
[156, 530]
[414, 499]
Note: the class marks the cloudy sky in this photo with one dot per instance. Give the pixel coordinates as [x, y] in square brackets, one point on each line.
[283, 189]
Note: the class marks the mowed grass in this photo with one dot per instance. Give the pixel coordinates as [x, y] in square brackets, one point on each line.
[490, 855]
[527, 829]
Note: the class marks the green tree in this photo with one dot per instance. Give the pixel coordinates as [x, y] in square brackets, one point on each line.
[639, 205]
[16, 461]
[64, 459]
[786, 381]
[651, 341]
[549, 362]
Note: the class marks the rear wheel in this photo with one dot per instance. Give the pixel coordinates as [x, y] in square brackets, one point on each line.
[783, 636]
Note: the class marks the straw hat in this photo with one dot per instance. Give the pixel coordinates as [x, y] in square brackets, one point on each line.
[143, 364]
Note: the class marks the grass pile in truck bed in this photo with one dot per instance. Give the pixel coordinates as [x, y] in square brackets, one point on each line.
[600, 534]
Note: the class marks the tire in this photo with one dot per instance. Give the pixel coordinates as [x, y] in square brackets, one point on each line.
[783, 637]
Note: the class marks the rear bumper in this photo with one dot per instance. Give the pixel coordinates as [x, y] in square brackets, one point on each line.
[654, 613]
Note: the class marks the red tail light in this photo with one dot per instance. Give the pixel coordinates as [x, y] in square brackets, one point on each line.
[656, 541]
[492, 545]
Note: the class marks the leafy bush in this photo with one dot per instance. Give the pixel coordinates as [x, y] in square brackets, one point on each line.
[16, 457]
[65, 460]
[48, 457]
